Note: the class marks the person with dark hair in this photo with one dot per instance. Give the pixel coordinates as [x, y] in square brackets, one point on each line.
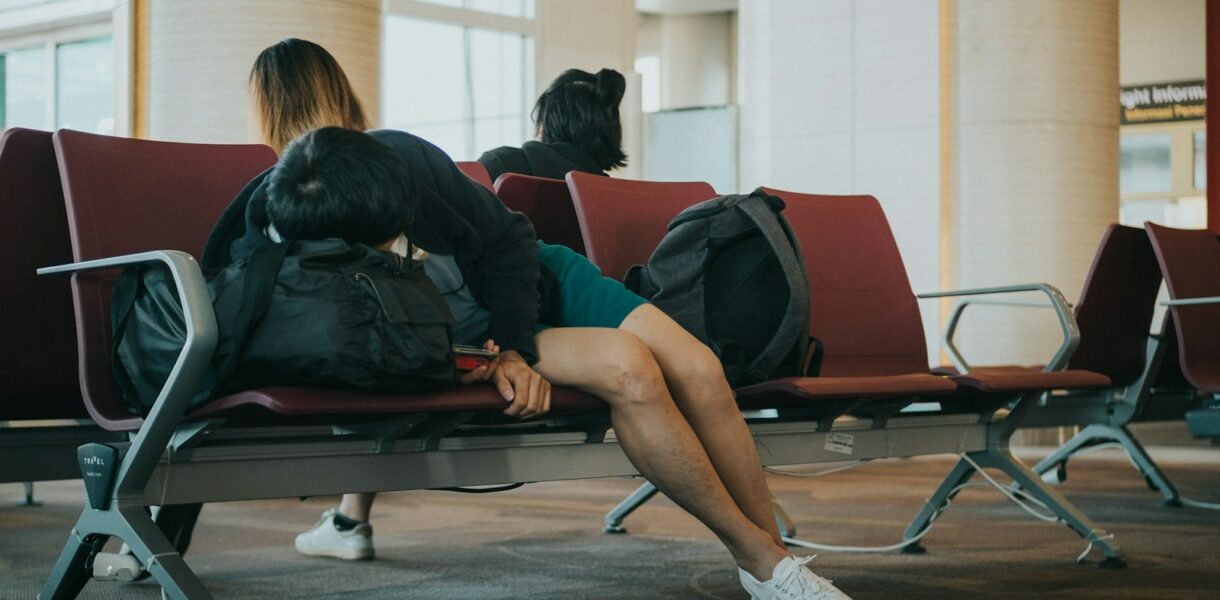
[576, 121]
[338, 183]
[671, 407]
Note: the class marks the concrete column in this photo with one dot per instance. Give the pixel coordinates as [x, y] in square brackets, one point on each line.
[1213, 108]
[199, 57]
[1036, 161]
[842, 97]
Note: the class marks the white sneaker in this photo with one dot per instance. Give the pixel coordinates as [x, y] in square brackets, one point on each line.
[791, 580]
[324, 539]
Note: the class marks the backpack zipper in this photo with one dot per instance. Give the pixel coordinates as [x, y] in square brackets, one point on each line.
[376, 294]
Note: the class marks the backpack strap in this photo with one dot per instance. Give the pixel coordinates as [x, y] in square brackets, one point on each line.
[793, 329]
[122, 302]
[258, 285]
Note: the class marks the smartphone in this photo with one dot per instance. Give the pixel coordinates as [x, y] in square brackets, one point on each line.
[469, 358]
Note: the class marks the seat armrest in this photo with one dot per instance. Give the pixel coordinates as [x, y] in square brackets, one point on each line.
[1192, 301]
[1063, 311]
[201, 337]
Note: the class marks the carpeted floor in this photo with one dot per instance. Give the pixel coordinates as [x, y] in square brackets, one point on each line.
[544, 541]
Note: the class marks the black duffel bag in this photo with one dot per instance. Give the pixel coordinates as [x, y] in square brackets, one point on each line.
[312, 314]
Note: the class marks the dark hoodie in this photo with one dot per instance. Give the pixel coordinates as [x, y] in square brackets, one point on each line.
[495, 248]
[539, 160]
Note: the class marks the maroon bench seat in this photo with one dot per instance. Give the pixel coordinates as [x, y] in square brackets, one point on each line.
[1190, 260]
[313, 402]
[622, 221]
[547, 203]
[179, 191]
[862, 307]
[805, 391]
[476, 171]
[874, 354]
[1114, 312]
[38, 349]
[39, 387]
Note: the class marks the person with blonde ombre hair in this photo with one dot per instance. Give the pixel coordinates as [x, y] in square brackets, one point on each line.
[555, 320]
[284, 89]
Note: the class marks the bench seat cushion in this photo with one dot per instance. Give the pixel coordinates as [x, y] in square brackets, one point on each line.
[291, 401]
[794, 391]
[1010, 379]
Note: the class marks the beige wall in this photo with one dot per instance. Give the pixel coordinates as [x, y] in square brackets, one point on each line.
[697, 59]
[1161, 40]
[200, 53]
[592, 35]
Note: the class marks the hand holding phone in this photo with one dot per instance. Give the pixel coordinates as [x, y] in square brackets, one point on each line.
[469, 358]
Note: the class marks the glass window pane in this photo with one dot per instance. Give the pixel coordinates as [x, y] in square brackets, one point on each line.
[26, 89]
[466, 90]
[85, 86]
[1201, 160]
[501, 92]
[424, 87]
[1144, 164]
[511, 8]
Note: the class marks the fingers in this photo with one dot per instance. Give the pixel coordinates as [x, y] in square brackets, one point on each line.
[500, 379]
[482, 373]
[522, 384]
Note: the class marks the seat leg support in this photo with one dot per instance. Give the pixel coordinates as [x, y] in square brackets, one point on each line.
[1097, 434]
[1089, 436]
[1033, 485]
[961, 473]
[614, 518]
[147, 542]
[1147, 466]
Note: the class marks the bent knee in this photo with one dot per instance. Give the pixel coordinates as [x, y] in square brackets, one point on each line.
[699, 371]
[629, 370]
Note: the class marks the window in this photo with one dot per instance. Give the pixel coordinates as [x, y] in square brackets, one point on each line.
[1144, 166]
[1200, 159]
[509, 8]
[465, 89]
[25, 88]
[59, 85]
[84, 86]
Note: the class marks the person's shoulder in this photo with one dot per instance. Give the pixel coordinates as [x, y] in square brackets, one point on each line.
[535, 145]
[501, 152]
[395, 138]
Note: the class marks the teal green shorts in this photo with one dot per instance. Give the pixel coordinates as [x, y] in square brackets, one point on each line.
[587, 298]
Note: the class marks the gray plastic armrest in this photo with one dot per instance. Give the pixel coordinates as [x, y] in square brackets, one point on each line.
[201, 337]
[1192, 301]
[1063, 311]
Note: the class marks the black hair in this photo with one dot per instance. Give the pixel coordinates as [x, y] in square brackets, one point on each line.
[338, 183]
[581, 109]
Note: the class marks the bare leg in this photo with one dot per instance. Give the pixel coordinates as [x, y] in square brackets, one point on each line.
[695, 377]
[357, 506]
[619, 368]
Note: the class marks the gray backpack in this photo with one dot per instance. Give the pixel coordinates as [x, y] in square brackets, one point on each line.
[730, 271]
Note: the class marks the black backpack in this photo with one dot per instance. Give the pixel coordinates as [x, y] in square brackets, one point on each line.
[316, 314]
[730, 271]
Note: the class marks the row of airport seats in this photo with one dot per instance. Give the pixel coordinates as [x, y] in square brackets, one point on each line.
[132, 201]
[1148, 379]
